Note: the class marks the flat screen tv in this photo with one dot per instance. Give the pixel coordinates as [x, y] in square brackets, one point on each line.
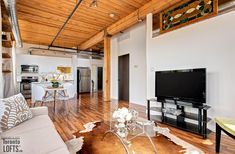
[182, 85]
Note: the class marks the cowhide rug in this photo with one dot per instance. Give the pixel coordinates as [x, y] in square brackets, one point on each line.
[94, 132]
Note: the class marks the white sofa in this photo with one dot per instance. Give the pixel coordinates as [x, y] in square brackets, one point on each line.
[37, 135]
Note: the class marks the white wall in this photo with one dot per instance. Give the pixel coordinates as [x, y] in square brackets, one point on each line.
[46, 64]
[207, 44]
[89, 62]
[131, 42]
[49, 64]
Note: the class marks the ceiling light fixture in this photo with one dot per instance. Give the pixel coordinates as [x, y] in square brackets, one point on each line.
[94, 4]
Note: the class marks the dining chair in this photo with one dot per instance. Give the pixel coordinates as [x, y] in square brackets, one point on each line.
[67, 94]
[39, 95]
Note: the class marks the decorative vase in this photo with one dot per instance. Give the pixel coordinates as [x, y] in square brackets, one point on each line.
[125, 121]
[122, 129]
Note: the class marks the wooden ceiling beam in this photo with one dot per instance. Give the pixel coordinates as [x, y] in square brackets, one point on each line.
[93, 41]
[153, 6]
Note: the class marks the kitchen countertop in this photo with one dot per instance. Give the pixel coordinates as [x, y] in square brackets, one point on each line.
[50, 82]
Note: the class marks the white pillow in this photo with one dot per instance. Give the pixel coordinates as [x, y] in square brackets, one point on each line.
[13, 111]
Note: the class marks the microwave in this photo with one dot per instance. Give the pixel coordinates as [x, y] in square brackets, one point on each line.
[29, 68]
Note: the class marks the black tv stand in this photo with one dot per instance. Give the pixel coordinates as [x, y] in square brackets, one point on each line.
[200, 119]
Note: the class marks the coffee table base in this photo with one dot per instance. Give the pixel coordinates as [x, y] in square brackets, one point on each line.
[124, 143]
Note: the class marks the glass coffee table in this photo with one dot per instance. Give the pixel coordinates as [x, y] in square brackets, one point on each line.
[140, 127]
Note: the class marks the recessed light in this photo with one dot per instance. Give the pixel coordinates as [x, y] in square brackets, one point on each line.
[112, 15]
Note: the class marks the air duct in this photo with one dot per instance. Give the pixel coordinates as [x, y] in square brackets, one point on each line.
[61, 53]
[11, 8]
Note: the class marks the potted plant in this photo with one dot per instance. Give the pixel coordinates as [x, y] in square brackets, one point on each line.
[55, 81]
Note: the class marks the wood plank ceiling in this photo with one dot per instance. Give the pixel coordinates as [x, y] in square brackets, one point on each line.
[39, 21]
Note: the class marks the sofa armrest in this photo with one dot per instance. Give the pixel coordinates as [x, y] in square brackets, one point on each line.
[37, 111]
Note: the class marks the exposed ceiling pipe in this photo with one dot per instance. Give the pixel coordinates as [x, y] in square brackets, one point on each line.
[54, 46]
[67, 53]
[67, 20]
[11, 8]
[36, 48]
[77, 50]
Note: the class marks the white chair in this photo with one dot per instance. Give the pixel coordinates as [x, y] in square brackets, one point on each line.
[70, 92]
[38, 95]
[67, 94]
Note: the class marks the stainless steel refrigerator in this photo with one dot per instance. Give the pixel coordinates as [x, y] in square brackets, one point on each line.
[84, 79]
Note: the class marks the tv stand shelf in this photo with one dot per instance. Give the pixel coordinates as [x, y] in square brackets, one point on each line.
[199, 126]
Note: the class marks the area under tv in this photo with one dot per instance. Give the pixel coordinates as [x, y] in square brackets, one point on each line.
[199, 126]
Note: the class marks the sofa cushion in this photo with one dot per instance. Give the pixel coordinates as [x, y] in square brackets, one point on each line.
[35, 123]
[13, 111]
[39, 141]
[35, 136]
[37, 111]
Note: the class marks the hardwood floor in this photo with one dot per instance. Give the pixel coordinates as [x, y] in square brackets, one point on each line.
[70, 117]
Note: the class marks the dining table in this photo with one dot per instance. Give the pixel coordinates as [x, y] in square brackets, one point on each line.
[54, 91]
